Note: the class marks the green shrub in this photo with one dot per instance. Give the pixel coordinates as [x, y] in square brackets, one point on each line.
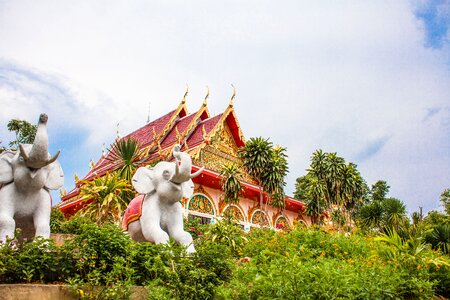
[305, 263]
[35, 261]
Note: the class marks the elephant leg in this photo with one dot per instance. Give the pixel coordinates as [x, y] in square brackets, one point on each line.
[7, 226]
[154, 233]
[41, 216]
[135, 231]
[177, 232]
[150, 222]
[151, 230]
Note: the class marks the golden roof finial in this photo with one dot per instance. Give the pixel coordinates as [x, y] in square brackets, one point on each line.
[185, 94]
[232, 97]
[207, 96]
[76, 178]
[92, 164]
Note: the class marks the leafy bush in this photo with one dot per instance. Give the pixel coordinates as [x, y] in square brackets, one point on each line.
[304, 263]
[72, 225]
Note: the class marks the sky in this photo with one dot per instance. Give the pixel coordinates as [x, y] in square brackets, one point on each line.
[369, 80]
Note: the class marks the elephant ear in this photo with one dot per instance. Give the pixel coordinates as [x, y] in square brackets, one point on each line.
[6, 172]
[142, 180]
[55, 178]
[187, 188]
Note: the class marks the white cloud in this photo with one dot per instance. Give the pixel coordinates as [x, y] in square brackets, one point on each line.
[309, 75]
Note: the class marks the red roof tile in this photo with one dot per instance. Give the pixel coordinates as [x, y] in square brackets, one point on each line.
[197, 135]
[143, 135]
[181, 125]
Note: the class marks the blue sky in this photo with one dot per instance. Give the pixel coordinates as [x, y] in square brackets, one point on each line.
[368, 80]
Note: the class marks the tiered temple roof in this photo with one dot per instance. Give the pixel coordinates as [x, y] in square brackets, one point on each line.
[211, 142]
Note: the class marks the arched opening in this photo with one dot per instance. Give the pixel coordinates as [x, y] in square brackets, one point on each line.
[282, 223]
[260, 218]
[233, 212]
[200, 206]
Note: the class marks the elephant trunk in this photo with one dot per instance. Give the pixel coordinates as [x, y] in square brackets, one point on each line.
[183, 165]
[38, 156]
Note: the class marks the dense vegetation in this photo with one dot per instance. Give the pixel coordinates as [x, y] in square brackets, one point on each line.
[304, 263]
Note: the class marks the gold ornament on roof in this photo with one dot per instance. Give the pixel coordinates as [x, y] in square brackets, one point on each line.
[159, 148]
[232, 97]
[178, 135]
[154, 133]
[204, 132]
[185, 94]
[207, 96]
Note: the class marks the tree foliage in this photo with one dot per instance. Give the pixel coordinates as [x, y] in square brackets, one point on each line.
[231, 186]
[105, 199]
[25, 132]
[445, 200]
[379, 190]
[268, 165]
[330, 182]
[125, 154]
[381, 213]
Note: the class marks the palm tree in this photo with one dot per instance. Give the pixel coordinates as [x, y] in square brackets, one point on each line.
[370, 216]
[353, 190]
[394, 213]
[379, 190]
[104, 196]
[231, 185]
[274, 182]
[318, 164]
[256, 155]
[312, 191]
[445, 200]
[335, 167]
[125, 154]
[439, 238]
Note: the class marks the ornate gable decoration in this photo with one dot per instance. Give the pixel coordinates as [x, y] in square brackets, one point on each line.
[221, 150]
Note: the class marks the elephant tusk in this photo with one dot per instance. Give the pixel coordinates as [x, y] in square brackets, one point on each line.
[53, 158]
[23, 153]
[193, 175]
[177, 168]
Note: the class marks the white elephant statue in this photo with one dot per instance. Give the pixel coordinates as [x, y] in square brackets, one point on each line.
[159, 214]
[26, 176]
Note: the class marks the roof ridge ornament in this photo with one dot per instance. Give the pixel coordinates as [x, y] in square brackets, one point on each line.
[207, 96]
[185, 94]
[233, 96]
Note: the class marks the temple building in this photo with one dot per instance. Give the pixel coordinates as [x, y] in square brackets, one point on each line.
[212, 141]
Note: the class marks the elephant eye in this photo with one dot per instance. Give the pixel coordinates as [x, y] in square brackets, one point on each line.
[166, 174]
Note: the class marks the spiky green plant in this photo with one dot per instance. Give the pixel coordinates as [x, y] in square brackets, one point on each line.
[231, 186]
[104, 196]
[125, 154]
